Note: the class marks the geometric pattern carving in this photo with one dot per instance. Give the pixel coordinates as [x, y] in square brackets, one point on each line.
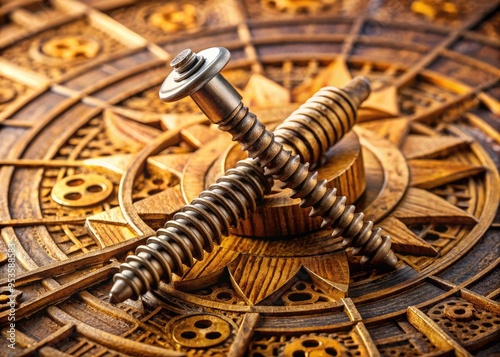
[79, 87]
[471, 325]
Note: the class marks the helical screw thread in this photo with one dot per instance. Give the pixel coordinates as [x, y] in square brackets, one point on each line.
[201, 223]
[282, 165]
[322, 120]
[309, 131]
[192, 231]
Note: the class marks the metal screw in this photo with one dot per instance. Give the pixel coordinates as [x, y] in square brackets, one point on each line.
[331, 110]
[222, 104]
[192, 231]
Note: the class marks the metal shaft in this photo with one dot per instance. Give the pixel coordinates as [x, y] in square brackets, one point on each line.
[191, 232]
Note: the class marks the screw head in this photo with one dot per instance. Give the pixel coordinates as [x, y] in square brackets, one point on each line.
[182, 58]
[214, 60]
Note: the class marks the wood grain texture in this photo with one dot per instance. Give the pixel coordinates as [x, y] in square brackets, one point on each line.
[418, 204]
[434, 173]
[425, 169]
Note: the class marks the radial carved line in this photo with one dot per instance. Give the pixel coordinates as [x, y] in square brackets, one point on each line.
[481, 301]
[244, 336]
[251, 52]
[354, 34]
[477, 122]
[61, 293]
[78, 262]
[26, 341]
[492, 104]
[61, 334]
[365, 336]
[410, 75]
[41, 163]
[25, 222]
[120, 30]
[245, 36]
[24, 75]
[351, 310]
[19, 123]
[113, 342]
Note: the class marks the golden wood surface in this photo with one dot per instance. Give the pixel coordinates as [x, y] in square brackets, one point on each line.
[79, 100]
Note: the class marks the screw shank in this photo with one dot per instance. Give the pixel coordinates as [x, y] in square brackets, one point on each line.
[217, 99]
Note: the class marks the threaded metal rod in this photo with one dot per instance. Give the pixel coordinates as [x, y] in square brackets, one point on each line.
[322, 120]
[192, 231]
[282, 165]
[335, 110]
[222, 105]
[179, 243]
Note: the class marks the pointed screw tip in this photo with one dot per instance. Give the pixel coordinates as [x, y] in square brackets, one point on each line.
[113, 299]
[359, 89]
[121, 291]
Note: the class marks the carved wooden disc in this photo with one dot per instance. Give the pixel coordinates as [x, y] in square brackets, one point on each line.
[92, 162]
